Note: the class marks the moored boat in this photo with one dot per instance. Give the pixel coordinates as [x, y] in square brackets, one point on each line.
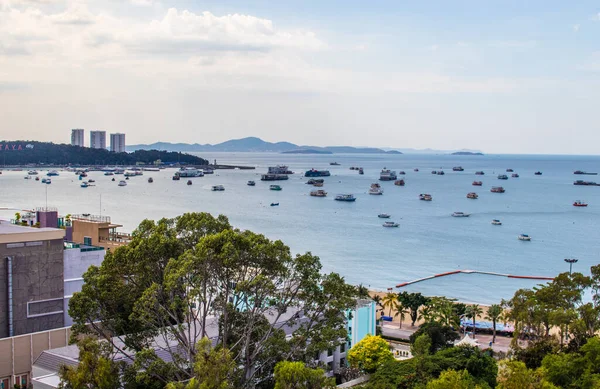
[150, 180]
[479, 173]
[509, 170]
[399, 182]
[361, 171]
[585, 183]
[109, 173]
[189, 182]
[477, 183]
[472, 195]
[188, 172]
[401, 173]
[440, 173]
[274, 204]
[314, 181]
[318, 193]
[84, 184]
[275, 187]
[524, 237]
[122, 183]
[317, 173]
[425, 197]
[52, 173]
[375, 189]
[251, 183]
[387, 175]
[334, 164]
[458, 169]
[390, 224]
[497, 189]
[579, 203]
[384, 216]
[514, 175]
[32, 172]
[538, 173]
[345, 197]
[279, 169]
[502, 177]
[217, 188]
[175, 177]
[586, 173]
[496, 222]
[460, 214]
[274, 177]
[318, 184]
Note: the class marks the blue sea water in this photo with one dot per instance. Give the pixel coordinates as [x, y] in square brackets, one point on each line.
[349, 237]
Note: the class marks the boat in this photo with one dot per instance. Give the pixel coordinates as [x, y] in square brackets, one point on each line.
[361, 171]
[189, 172]
[314, 181]
[217, 188]
[399, 182]
[119, 171]
[109, 173]
[586, 173]
[434, 172]
[150, 169]
[579, 203]
[273, 177]
[84, 184]
[317, 173]
[150, 180]
[384, 216]
[345, 197]
[43, 180]
[477, 183]
[274, 204]
[472, 195]
[130, 174]
[208, 171]
[32, 172]
[113, 179]
[390, 224]
[279, 169]
[375, 189]
[401, 173]
[415, 169]
[91, 181]
[524, 237]
[538, 173]
[514, 175]
[37, 178]
[251, 183]
[440, 173]
[480, 173]
[496, 222]
[353, 168]
[189, 182]
[425, 197]
[460, 214]
[318, 184]
[126, 178]
[48, 181]
[387, 175]
[122, 183]
[275, 187]
[458, 169]
[585, 183]
[497, 189]
[334, 164]
[502, 177]
[509, 170]
[318, 193]
[27, 177]
[175, 177]
[52, 173]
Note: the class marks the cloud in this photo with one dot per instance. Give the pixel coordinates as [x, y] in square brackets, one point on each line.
[143, 3]
[514, 44]
[576, 27]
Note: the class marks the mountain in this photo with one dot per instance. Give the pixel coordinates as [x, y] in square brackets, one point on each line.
[252, 144]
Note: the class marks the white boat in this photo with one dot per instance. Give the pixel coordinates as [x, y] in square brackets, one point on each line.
[122, 183]
[384, 216]
[151, 169]
[375, 189]
[84, 184]
[387, 175]
[251, 183]
[460, 214]
[119, 171]
[108, 173]
[130, 174]
[208, 171]
[189, 172]
[345, 197]
[318, 193]
[524, 237]
[496, 222]
[32, 172]
[390, 224]
[48, 181]
[217, 188]
[425, 197]
[52, 173]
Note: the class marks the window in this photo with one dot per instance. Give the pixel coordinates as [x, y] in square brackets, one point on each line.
[343, 362]
[5, 383]
[14, 245]
[329, 352]
[87, 240]
[22, 380]
[349, 330]
[342, 347]
[31, 244]
[329, 366]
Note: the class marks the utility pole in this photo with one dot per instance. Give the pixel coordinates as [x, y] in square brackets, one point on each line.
[571, 261]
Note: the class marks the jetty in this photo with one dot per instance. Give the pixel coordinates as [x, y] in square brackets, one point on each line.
[489, 273]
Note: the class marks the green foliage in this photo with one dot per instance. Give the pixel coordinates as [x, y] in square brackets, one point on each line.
[515, 375]
[413, 302]
[389, 301]
[441, 310]
[452, 379]
[494, 313]
[370, 353]
[421, 346]
[441, 336]
[295, 375]
[575, 370]
[96, 368]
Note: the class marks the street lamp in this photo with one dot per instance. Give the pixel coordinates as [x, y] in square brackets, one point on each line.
[571, 261]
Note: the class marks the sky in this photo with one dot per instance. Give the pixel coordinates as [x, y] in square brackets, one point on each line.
[498, 76]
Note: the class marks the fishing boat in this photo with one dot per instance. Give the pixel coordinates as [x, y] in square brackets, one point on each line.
[472, 195]
[460, 214]
[251, 183]
[524, 237]
[384, 216]
[150, 180]
[514, 175]
[122, 183]
[274, 204]
[314, 181]
[390, 224]
[458, 169]
[579, 203]
[497, 189]
[189, 182]
[425, 197]
[477, 183]
[318, 193]
[496, 222]
[387, 175]
[399, 182]
[375, 189]
[317, 173]
[502, 177]
[275, 187]
[345, 197]
[538, 173]
[217, 188]
[480, 173]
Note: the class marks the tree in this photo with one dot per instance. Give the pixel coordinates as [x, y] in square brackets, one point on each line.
[413, 301]
[388, 301]
[515, 375]
[362, 292]
[441, 310]
[451, 379]
[472, 312]
[441, 336]
[575, 370]
[295, 375]
[421, 347]
[370, 353]
[494, 314]
[96, 368]
[400, 311]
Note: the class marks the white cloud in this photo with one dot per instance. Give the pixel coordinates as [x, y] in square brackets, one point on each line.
[143, 3]
[576, 27]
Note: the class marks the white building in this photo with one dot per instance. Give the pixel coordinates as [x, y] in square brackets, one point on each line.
[117, 143]
[77, 137]
[98, 139]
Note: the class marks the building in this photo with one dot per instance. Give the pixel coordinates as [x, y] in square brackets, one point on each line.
[98, 139]
[76, 138]
[93, 230]
[117, 143]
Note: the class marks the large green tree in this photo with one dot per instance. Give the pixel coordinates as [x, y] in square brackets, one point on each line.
[413, 302]
[96, 368]
[296, 375]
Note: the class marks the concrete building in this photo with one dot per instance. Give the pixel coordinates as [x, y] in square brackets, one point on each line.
[117, 143]
[76, 139]
[93, 230]
[98, 139]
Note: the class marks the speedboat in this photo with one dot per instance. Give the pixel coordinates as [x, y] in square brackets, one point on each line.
[460, 214]
[502, 177]
[458, 169]
[390, 224]
[274, 204]
[251, 183]
[345, 197]
[472, 195]
[480, 173]
[122, 183]
[217, 188]
[524, 237]
[425, 197]
[399, 182]
[477, 183]
[496, 222]
[384, 216]
[318, 193]
[538, 173]
[275, 187]
[497, 189]
[579, 203]
[375, 189]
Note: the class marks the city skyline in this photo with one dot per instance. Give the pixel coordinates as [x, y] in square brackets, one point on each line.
[507, 78]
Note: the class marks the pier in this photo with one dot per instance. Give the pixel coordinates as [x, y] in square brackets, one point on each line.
[489, 273]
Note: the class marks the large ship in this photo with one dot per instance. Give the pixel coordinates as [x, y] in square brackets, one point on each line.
[273, 177]
[189, 172]
[317, 173]
[279, 169]
[387, 175]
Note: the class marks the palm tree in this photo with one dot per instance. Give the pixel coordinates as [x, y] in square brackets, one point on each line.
[472, 312]
[389, 300]
[400, 311]
[377, 299]
[362, 291]
[494, 313]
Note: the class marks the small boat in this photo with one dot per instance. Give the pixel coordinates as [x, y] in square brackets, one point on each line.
[109, 173]
[440, 173]
[189, 182]
[582, 172]
[251, 183]
[399, 182]
[585, 183]
[44, 180]
[480, 173]
[361, 171]
[460, 214]
[458, 169]
[384, 216]
[318, 193]
[27, 177]
[514, 175]
[334, 164]
[209, 171]
[113, 179]
[402, 172]
[32, 172]
[275, 187]
[502, 177]
[345, 197]
[126, 178]
[390, 224]
[150, 180]
[415, 170]
[84, 184]
[353, 168]
[472, 195]
[524, 237]
[274, 204]
[314, 181]
[375, 189]
[509, 170]
[82, 174]
[122, 183]
[91, 181]
[425, 197]
[176, 177]
[52, 173]
[579, 203]
[497, 189]
[477, 183]
[318, 184]
[37, 178]
[496, 222]
[538, 173]
[48, 181]
[434, 172]
[217, 188]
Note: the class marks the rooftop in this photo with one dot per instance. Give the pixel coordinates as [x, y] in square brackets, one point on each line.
[12, 233]
[6, 227]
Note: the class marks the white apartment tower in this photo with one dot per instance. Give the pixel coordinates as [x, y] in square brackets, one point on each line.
[117, 143]
[98, 139]
[77, 137]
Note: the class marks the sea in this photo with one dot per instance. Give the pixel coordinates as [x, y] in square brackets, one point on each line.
[349, 237]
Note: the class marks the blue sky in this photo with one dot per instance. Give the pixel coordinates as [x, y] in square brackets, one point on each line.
[501, 76]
